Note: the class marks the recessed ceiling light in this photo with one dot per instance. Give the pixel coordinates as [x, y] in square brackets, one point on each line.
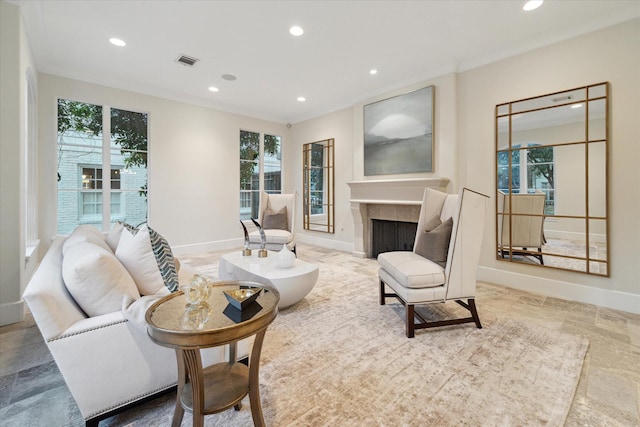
[229, 77]
[532, 4]
[213, 89]
[576, 106]
[373, 71]
[301, 98]
[117, 42]
[296, 31]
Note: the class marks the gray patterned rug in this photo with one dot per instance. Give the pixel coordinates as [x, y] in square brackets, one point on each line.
[338, 358]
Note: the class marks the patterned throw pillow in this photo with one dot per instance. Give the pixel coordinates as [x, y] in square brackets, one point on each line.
[165, 260]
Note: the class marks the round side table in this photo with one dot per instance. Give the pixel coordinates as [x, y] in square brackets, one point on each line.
[187, 328]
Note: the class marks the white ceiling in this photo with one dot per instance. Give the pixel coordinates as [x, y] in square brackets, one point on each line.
[407, 41]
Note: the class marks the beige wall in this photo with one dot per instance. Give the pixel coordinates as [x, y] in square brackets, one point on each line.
[193, 162]
[15, 60]
[612, 55]
[339, 126]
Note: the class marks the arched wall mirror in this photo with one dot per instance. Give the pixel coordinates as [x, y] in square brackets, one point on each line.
[318, 186]
[551, 180]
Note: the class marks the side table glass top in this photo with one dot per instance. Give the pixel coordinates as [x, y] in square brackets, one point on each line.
[174, 321]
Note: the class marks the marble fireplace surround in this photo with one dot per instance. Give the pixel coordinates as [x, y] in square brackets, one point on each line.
[389, 199]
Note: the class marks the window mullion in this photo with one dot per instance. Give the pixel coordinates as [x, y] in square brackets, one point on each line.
[106, 168]
[261, 164]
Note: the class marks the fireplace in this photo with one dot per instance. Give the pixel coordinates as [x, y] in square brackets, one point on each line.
[391, 200]
[387, 236]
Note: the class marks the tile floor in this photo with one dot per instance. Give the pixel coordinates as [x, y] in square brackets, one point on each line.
[32, 392]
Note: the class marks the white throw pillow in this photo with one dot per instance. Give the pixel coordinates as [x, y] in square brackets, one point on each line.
[135, 311]
[83, 234]
[113, 237]
[96, 279]
[135, 253]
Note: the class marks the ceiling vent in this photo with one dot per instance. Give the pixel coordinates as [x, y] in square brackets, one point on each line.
[189, 61]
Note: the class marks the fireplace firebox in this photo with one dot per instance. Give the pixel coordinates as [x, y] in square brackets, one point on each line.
[387, 236]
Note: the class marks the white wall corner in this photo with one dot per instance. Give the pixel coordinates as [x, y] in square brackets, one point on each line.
[11, 312]
[559, 289]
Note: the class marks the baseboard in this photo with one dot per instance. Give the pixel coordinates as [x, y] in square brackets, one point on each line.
[218, 245]
[325, 243]
[12, 312]
[616, 300]
[181, 250]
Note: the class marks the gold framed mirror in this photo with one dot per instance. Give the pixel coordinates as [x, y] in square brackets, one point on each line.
[318, 186]
[551, 180]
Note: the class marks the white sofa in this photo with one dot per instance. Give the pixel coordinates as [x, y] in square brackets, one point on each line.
[107, 360]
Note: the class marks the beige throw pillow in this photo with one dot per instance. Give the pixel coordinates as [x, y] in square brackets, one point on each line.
[275, 220]
[434, 245]
[432, 223]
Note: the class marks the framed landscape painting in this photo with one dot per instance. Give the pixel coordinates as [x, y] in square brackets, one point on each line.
[398, 134]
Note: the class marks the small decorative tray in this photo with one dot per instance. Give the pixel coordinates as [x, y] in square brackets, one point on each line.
[242, 298]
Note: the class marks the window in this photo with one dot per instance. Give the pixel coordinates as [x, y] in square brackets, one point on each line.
[87, 195]
[531, 165]
[260, 168]
[91, 194]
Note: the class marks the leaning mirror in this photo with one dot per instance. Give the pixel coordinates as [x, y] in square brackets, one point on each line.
[318, 185]
[551, 180]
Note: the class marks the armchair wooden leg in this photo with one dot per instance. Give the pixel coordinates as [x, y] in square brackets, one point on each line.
[474, 312]
[410, 321]
[382, 296]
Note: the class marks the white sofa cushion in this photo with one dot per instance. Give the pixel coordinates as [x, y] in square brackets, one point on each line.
[96, 279]
[83, 234]
[148, 258]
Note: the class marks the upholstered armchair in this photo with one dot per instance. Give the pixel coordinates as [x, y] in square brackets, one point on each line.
[525, 232]
[276, 215]
[442, 266]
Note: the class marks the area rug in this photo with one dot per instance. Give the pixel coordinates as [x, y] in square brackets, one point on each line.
[338, 358]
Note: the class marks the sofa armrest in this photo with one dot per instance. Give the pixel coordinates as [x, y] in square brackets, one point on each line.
[53, 308]
[91, 324]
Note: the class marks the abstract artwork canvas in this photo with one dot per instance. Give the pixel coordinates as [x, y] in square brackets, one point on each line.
[398, 134]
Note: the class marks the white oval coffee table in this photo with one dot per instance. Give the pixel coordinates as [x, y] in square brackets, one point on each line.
[293, 283]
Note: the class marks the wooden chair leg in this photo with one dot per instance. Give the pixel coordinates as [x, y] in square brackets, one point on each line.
[474, 312]
[410, 321]
[382, 298]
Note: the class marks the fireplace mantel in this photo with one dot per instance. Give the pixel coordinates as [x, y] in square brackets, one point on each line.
[398, 196]
[394, 191]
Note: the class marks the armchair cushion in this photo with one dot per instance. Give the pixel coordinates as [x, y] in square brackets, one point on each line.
[279, 236]
[275, 220]
[96, 280]
[434, 244]
[411, 270]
